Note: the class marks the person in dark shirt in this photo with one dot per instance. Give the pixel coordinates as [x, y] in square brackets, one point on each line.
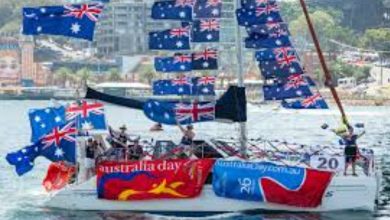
[351, 150]
[90, 152]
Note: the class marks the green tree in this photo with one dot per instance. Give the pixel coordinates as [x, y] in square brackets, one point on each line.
[327, 27]
[147, 73]
[83, 75]
[340, 69]
[376, 39]
[64, 76]
[114, 75]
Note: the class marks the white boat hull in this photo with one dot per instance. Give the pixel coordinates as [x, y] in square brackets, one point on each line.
[344, 193]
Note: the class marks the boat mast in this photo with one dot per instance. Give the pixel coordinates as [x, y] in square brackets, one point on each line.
[240, 82]
[328, 76]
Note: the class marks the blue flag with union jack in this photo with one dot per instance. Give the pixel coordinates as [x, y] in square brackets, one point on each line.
[185, 86]
[205, 60]
[256, 41]
[174, 10]
[311, 102]
[286, 63]
[171, 39]
[256, 3]
[281, 53]
[178, 63]
[76, 21]
[58, 145]
[44, 120]
[260, 15]
[87, 115]
[286, 91]
[207, 9]
[205, 30]
[183, 112]
[269, 30]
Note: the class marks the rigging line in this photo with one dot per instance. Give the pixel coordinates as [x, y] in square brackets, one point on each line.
[328, 81]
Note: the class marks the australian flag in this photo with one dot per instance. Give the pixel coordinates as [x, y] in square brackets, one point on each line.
[269, 30]
[185, 86]
[185, 113]
[207, 9]
[204, 85]
[87, 115]
[286, 91]
[259, 15]
[311, 102]
[174, 10]
[255, 3]
[57, 145]
[275, 69]
[171, 39]
[205, 30]
[42, 121]
[178, 86]
[205, 60]
[256, 41]
[178, 63]
[76, 21]
[283, 54]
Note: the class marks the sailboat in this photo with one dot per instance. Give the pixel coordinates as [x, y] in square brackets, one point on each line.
[221, 175]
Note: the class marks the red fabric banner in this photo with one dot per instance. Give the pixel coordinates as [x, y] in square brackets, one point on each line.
[140, 180]
[309, 194]
[58, 176]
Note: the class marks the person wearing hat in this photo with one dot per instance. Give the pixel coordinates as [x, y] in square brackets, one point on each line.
[351, 151]
[123, 137]
[157, 127]
[187, 138]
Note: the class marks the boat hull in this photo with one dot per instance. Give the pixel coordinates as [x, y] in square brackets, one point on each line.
[344, 193]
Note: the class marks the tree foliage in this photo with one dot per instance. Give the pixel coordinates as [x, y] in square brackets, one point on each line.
[114, 75]
[377, 39]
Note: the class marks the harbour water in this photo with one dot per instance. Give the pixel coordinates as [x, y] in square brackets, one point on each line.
[23, 197]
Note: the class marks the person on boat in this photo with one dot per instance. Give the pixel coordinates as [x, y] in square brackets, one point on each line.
[187, 139]
[157, 127]
[90, 156]
[351, 151]
[135, 150]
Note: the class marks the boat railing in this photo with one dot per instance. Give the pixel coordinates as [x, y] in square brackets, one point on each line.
[292, 154]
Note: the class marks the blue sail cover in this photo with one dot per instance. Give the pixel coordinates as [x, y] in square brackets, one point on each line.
[185, 86]
[230, 107]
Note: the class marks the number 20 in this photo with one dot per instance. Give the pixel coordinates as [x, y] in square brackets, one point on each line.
[332, 163]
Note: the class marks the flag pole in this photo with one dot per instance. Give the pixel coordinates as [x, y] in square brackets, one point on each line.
[328, 76]
[240, 82]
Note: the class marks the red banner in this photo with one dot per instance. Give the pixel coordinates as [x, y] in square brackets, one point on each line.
[58, 176]
[138, 180]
